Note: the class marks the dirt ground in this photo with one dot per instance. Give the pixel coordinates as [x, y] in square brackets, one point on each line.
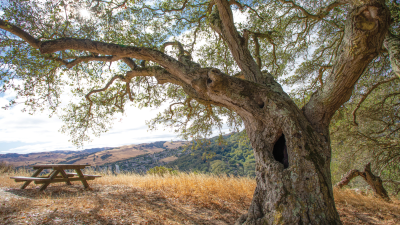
[151, 204]
[107, 205]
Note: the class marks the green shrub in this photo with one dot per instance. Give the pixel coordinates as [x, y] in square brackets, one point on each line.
[161, 171]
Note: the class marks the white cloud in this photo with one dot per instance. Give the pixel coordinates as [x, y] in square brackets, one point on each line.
[38, 132]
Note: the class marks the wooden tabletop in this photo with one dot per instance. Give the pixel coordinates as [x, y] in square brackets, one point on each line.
[59, 166]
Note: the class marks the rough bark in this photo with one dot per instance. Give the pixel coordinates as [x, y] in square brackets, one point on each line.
[365, 30]
[373, 181]
[392, 44]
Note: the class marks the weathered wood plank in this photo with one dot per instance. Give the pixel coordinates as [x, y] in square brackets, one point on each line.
[59, 166]
[84, 182]
[64, 180]
[52, 177]
[88, 175]
[21, 179]
[65, 176]
[34, 175]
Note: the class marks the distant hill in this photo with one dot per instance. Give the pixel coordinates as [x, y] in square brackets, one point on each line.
[94, 156]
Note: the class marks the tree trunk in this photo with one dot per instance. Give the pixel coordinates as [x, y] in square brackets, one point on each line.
[293, 174]
[373, 181]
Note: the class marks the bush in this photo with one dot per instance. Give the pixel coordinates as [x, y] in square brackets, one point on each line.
[4, 167]
[161, 171]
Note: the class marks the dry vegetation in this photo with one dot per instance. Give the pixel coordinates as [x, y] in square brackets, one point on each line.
[147, 199]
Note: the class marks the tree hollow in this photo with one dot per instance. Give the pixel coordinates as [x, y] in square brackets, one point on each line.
[280, 151]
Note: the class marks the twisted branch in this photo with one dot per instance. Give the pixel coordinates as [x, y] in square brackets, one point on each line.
[364, 96]
[323, 13]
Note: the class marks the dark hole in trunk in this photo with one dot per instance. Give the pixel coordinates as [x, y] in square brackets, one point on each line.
[209, 81]
[280, 151]
[261, 105]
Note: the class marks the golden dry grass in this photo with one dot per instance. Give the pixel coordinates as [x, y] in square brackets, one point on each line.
[147, 199]
[357, 209]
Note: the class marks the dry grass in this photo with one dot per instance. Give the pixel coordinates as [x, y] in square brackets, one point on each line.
[129, 199]
[147, 199]
[357, 209]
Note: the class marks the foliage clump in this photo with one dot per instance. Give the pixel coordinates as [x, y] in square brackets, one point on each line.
[4, 167]
[161, 171]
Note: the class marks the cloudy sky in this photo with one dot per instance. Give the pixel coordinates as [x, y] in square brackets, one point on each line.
[24, 133]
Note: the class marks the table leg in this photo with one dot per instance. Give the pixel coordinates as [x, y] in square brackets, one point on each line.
[53, 175]
[84, 182]
[29, 181]
[64, 175]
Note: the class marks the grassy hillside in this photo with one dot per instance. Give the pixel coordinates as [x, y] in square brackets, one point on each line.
[227, 154]
[94, 157]
[146, 199]
[19, 160]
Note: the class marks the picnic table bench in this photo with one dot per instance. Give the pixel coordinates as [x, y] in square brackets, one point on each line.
[57, 175]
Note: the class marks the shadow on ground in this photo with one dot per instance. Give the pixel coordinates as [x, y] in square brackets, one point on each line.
[111, 205]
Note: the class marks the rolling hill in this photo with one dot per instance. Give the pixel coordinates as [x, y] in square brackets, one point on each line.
[94, 157]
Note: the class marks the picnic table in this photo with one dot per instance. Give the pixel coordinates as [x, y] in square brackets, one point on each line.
[57, 175]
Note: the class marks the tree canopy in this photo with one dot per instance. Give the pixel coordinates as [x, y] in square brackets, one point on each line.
[283, 37]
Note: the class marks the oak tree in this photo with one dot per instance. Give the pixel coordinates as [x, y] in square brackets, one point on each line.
[194, 55]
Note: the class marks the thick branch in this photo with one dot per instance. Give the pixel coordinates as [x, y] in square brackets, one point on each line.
[169, 63]
[222, 22]
[87, 59]
[373, 181]
[175, 43]
[120, 51]
[392, 44]
[348, 177]
[257, 46]
[364, 96]
[365, 31]
[162, 75]
[257, 51]
[130, 63]
[5, 25]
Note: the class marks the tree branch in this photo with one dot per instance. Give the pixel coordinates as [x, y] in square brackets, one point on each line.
[130, 63]
[348, 177]
[364, 96]
[5, 25]
[222, 22]
[373, 181]
[162, 75]
[362, 42]
[323, 13]
[392, 44]
[178, 9]
[78, 60]
[120, 51]
[87, 96]
[175, 43]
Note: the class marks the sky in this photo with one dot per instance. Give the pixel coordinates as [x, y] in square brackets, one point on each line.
[23, 133]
